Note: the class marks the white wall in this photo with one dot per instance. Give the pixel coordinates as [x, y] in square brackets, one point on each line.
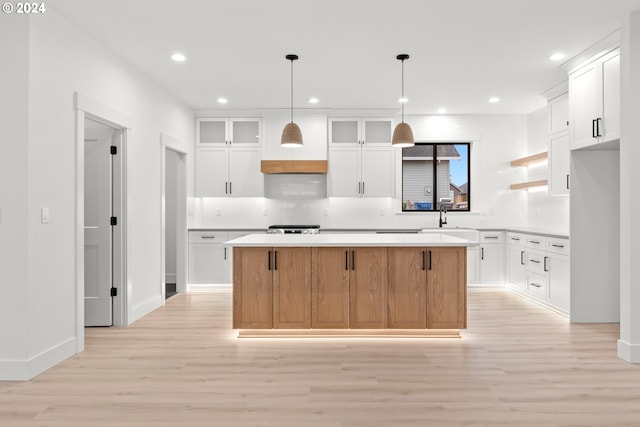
[496, 141]
[544, 211]
[63, 60]
[14, 74]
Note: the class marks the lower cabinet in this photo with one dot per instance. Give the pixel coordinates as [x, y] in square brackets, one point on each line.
[492, 257]
[272, 288]
[357, 288]
[446, 288]
[207, 257]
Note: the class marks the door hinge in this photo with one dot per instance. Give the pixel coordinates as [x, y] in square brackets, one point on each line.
[114, 150]
[114, 292]
[114, 220]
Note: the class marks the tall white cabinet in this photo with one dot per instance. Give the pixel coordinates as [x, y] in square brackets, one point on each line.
[228, 155]
[360, 157]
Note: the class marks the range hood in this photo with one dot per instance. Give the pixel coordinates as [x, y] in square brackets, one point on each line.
[294, 166]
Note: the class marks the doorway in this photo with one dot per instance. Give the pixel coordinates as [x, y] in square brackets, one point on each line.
[174, 218]
[102, 220]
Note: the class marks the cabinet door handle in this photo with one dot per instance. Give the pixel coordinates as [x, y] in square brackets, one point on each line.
[430, 263]
[545, 263]
[535, 285]
[353, 260]
[275, 260]
[359, 184]
[534, 261]
[557, 246]
[593, 128]
[517, 239]
[481, 253]
[363, 188]
[269, 260]
[598, 120]
[230, 191]
[225, 253]
[424, 260]
[207, 237]
[346, 260]
[567, 181]
[535, 242]
[522, 257]
[490, 237]
[226, 188]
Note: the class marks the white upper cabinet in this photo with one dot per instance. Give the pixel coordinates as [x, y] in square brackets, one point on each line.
[228, 131]
[360, 157]
[594, 101]
[228, 155]
[559, 155]
[558, 110]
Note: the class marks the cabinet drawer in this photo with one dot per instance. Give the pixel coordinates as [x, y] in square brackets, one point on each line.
[212, 237]
[516, 239]
[537, 285]
[491, 237]
[536, 242]
[558, 246]
[536, 261]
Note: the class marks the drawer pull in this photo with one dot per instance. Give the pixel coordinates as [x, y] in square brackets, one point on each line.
[535, 260]
[207, 237]
[535, 285]
[535, 242]
[557, 246]
[515, 238]
[490, 237]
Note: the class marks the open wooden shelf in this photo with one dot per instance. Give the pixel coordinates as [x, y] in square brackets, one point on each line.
[294, 166]
[529, 184]
[526, 161]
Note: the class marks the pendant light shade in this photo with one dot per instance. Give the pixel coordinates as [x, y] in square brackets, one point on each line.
[291, 134]
[402, 134]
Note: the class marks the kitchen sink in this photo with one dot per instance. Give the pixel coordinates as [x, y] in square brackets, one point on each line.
[463, 233]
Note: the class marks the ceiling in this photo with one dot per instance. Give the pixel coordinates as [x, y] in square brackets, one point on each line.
[462, 51]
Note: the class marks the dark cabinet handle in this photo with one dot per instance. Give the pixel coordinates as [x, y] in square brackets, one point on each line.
[353, 260]
[363, 188]
[545, 263]
[522, 257]
[534, 261]
[535, 242]
[593, 128]
[430, 264]
[359, 186]
[490, 237]
[557, 246]
[230, 191]
[598, 120]
[225, 253]
[567, 181]
[275, 261]
[424, 260]
[269, 260]
[516, 239]
[346, 260]
[226, 188]
[535, 285]
[481, 253]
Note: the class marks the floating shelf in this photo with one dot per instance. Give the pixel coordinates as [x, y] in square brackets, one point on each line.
[524, 185]
[294, 166]
[526, 161]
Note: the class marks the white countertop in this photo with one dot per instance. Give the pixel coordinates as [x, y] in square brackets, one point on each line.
[329, 239]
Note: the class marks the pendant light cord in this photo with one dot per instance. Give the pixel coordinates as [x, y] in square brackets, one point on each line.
[403, 100]
[292, 91]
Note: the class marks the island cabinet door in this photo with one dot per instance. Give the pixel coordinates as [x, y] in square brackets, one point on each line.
[330, 287]
[292, 288]
[407, 288]
[446, 288]
[368, 288]
[252, 288]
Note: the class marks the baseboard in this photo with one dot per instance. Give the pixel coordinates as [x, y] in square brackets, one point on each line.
[24, 370]
[144, 308]
[200, 287]
[629, 352]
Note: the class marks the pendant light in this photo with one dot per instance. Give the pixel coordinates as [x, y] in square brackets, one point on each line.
[402, 134]
[291, 134]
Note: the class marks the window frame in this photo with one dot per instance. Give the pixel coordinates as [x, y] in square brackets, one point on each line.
[435, 205]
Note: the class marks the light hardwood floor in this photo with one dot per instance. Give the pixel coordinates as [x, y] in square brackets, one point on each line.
[516, 365]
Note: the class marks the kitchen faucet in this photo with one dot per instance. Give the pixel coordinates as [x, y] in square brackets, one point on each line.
[443, 209]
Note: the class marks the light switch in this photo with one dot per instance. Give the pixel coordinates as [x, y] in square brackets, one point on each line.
[45, 215]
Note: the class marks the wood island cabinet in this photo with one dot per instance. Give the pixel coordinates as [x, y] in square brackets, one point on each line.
[407, 288]
[368, 288]
[330, 288]
[364, 287]
[446, 288]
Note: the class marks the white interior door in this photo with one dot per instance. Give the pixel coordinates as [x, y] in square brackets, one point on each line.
[97, 225]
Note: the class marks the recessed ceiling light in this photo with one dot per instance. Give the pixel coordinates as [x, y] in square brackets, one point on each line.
[178, 57]
[313, 100]
[403, 100]
[494, 99]
[557, 56]
[442, 110]
[222, 100]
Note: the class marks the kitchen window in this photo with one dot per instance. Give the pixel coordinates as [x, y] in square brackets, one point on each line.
[435, 174]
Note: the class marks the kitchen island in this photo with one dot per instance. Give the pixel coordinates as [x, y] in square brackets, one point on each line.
[349, 284]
